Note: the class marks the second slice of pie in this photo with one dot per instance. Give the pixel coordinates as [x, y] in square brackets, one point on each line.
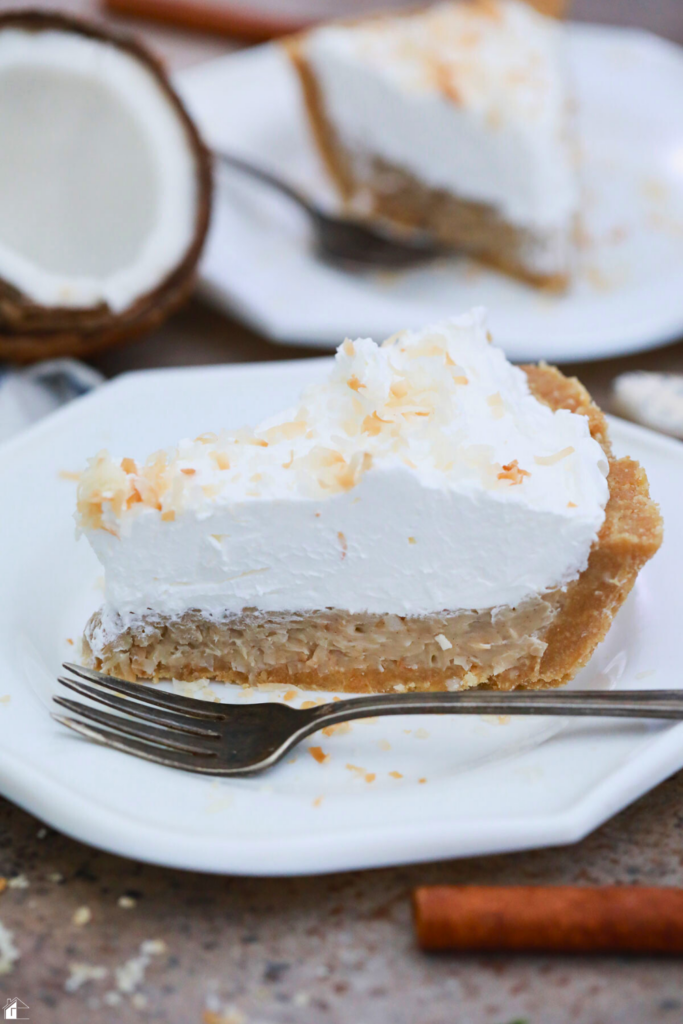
[455, 121]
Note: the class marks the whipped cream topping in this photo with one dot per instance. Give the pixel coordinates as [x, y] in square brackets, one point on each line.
[420, 476]
[467, 96]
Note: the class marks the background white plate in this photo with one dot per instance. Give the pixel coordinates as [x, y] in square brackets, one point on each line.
[627, 295]
[489, 787]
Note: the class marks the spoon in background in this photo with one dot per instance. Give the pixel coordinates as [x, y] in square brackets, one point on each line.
[349, 244]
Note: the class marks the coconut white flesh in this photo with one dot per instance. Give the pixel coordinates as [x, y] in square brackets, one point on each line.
[98, 191]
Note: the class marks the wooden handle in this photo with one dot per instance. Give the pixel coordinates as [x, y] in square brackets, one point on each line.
[253, 24]
[549, 919]
[223, 19]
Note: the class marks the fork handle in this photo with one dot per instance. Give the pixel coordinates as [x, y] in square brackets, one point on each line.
[246, 167]
[574, 703]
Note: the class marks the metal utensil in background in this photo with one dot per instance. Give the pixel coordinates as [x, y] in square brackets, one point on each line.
[350, 244]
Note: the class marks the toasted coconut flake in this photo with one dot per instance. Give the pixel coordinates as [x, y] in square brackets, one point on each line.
[496, 405]
[512, 473]
[443, 79]
[373, 424]
[285, 431]
[134, 498]
[341, 729]
[81, 916]
[221, 459]
[318, 755]
[102, 484]
[156, 474]
[550, 460]
[351, 474]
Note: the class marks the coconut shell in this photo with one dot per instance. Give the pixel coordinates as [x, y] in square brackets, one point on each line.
[29, 331]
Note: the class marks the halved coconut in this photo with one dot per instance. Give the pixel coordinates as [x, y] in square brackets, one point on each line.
[105, 188]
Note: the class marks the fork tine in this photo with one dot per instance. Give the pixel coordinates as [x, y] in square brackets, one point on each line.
[163, 737]
[172, 701]
[157, 716]
[206, 765]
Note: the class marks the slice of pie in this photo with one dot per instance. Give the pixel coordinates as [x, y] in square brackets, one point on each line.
[427, 517]
[454, 121]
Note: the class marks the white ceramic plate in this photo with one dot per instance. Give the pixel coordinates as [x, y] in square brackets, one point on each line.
[627, 295]
[490, 786]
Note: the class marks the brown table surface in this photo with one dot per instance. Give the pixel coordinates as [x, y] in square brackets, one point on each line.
[337, 948]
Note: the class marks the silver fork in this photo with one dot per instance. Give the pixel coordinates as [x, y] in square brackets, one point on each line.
[226, 739]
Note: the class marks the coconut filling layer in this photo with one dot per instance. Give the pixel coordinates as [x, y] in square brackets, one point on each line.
[418, 511]
[326, 650]
[466, 99]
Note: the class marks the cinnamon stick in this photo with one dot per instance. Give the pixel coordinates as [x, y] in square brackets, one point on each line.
[549, 919]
